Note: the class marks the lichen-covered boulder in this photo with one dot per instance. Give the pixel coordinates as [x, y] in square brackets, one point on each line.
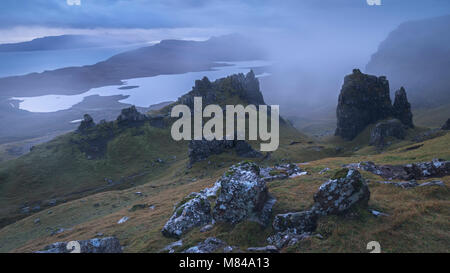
[386, 129]
[243, 195]
[296, 222]
[346, 189]
[194, 210]
[96, 245]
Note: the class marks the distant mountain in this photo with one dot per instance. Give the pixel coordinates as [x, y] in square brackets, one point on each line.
[166, 57]
[417, 56]
[63, 42]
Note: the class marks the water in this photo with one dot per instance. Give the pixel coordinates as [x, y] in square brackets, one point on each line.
[24, 62]
[150, 90]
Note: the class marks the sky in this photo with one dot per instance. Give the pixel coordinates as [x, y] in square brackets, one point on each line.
[31, 18]
[314, 42]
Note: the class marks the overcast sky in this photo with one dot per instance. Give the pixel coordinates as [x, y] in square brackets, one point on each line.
[30, 18]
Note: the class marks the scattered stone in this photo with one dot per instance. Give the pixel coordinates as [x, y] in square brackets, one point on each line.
[378, 213]
[152, 207]
[59, 230]
[138, 193]
[138, 207]
[210, 245]
[96, 245]
[385, 129]
[414, 171]
[123, 220]
[265, 249]
[346, 189]
[286, 238]
[171, 247]
[281, 171]
[296, 222]
[413, 184]
[206, 228]
[37, 221]
[25, 210]
[324, 170]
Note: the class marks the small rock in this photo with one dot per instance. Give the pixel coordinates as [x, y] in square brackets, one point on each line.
[378, 213]
[171, 247]
[96, 245]
[206, 228]
[37, 221]
[210, 245]
[265, 249]
[324, 170]
[122, 220]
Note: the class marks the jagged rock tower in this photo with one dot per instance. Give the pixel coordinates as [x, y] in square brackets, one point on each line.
[402, 109]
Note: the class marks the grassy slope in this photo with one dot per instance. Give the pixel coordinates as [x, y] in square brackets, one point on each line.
[418, 221]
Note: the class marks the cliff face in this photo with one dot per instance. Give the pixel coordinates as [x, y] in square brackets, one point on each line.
[364, 99]
[415, 56]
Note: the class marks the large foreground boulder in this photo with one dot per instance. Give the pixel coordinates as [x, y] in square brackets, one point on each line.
[243, 195]
[96, 245]
[346, 189]
[240, 194]
[386, 129]
[364, 99]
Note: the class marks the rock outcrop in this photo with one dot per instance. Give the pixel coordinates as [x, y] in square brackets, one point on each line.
[240, 194]
[446, 126]
[96, 245]
[130, 115]
[210, 245]
[414, 171]
[364, 99]
[202, 149]
[245, 87]
[401, 109]
[386, 129]
[86, 124]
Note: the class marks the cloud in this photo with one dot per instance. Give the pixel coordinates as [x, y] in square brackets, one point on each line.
[74, 2]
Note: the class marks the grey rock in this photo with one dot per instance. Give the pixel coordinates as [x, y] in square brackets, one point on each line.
[210, 245]
[265, 249]
[123, 220]
[206, 228]
[346, 189]
[364, 99]
[193, 211]
[243, 195]
[286, 238]
[96, 245]
[414, 171]
[296, 222]
[171, 247]
[385, 129]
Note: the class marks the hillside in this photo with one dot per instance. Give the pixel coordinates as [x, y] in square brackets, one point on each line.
[127, 178]
[110, 156]
[62, 42]
[416, 56]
